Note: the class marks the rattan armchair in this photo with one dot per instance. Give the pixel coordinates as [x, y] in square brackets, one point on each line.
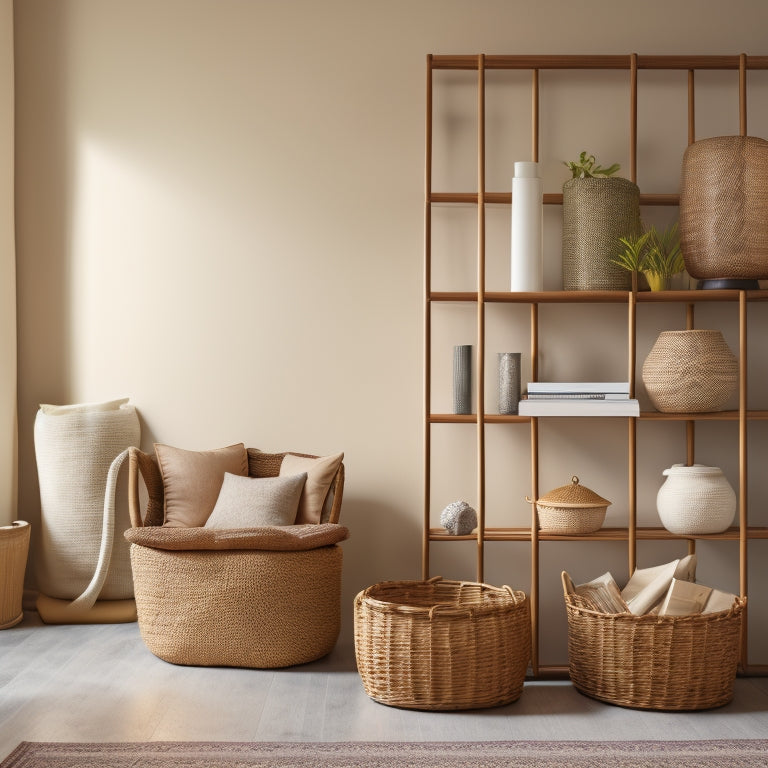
[260, 598]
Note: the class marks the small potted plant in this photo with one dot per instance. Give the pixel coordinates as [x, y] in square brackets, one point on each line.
[654, 254]
[598, 208]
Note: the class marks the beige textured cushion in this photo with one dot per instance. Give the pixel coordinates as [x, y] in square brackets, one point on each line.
[247, 502]
[288, 538]
[192, 480]
[320, 474]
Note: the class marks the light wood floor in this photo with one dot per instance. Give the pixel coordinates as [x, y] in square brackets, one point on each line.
[100, 683]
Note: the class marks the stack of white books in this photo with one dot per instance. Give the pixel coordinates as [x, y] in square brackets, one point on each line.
[578, 398]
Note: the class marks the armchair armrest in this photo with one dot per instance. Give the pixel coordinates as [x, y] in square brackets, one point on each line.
[144, 464]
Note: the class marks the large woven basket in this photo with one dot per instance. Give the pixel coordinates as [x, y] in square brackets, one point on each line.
[653, 662]
[690, 371]
[724, 208]
[442, 645]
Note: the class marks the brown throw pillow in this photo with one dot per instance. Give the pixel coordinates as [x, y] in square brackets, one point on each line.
[192, 480]
[320, 474]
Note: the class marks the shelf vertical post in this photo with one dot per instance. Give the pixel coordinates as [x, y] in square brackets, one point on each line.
[480, 316]
[427, 322]
[691, 108]
[743, 94]
[534, 496]
[535, 116]
[633, 118]
[743, 467]
[690, 425]
[632, 436]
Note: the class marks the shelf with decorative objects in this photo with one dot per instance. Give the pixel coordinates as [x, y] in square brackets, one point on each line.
[742, 531]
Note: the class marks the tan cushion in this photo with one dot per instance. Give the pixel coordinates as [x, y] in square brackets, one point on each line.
[192, 480]
[320, 474]
[247, 502]
[288, 538]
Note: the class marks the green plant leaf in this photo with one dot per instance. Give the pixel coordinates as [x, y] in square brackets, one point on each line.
[633, 257]
[665, 257]
[586, 167]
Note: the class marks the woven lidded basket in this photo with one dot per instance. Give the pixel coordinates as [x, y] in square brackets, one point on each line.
[570, 509]
[653, 662]
[442, 645]
[596, 213]
[724, 208]
[690, 372]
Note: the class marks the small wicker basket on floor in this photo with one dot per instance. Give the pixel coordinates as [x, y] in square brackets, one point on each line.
[442, 645]
[653, 662]
[14, 548]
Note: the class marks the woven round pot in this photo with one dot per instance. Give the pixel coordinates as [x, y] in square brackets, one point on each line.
[571, 509]
[596, 213]
[690, 372]
[724, 208]
[695, 500]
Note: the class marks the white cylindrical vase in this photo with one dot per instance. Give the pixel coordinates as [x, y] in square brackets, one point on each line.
[527, 263]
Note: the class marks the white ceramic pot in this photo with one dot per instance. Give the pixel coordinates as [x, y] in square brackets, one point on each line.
[695, 500]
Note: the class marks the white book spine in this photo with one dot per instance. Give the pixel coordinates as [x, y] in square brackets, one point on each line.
[601, 387]
[579, 408]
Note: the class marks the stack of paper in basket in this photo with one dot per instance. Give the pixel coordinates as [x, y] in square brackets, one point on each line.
[665, 590]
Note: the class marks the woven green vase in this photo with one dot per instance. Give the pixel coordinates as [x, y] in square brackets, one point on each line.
[596, 213]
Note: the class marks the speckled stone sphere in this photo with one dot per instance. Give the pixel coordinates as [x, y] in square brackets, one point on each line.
[458, 518]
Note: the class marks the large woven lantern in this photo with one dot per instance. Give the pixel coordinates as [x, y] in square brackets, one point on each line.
[724, 211]
[571, 509]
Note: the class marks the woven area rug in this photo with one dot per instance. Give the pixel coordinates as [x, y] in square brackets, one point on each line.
[493, 754]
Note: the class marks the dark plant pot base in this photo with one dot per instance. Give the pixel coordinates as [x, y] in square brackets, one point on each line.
[725, 282]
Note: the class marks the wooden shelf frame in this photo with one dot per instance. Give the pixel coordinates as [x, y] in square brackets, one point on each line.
[632, 63]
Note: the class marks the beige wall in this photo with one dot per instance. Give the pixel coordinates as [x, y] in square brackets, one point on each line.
[219, 212]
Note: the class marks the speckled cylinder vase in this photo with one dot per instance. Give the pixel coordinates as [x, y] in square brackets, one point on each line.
[462, 379]
[509, 382]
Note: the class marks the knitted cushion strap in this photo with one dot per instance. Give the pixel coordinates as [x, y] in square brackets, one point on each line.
[91, 592]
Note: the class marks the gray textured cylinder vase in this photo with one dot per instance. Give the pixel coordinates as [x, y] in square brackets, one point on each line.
[509, 382]
[596, 213]
[462, 378]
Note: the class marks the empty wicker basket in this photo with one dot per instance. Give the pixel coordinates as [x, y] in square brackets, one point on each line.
[441, 645]
[653, 662]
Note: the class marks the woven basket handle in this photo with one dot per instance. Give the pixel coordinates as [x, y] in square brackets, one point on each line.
[453, 610]
[515, 595]
[568, 588]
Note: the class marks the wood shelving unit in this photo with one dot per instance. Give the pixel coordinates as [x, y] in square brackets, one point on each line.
[742, 532]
